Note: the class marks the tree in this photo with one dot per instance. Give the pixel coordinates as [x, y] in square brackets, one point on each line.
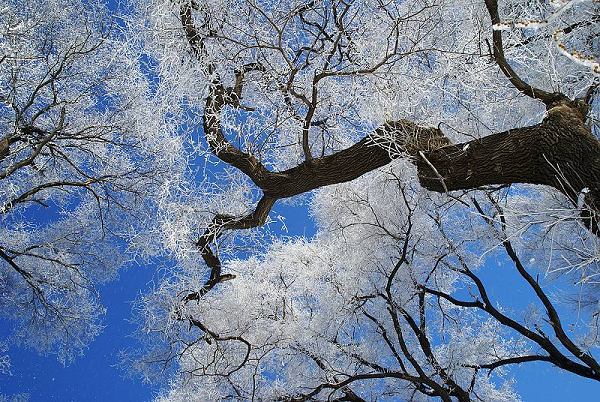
[79, 156]
[430, 138]
[487, 101]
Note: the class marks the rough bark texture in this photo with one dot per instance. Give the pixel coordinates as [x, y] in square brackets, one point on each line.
[365, 156]
[560, 152]
[4, 148]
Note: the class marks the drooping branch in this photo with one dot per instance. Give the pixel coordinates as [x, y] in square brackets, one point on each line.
[211, 336]
[551, 312]
[220, 224]
[587, 366]
[38, 148]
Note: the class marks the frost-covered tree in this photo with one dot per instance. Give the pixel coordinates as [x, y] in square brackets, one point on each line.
[82, 157]
[435, 140]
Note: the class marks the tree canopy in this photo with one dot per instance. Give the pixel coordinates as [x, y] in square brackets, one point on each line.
[431, 141]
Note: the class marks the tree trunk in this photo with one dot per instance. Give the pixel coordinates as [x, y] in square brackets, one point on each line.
[560, 152]
[4, 148]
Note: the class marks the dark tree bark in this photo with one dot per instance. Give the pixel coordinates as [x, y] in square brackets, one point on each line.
[560, 152]
[4, 148]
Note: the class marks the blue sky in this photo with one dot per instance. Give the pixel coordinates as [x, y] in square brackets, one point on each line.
[96, 377]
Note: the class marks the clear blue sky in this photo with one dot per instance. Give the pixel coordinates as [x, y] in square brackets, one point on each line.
[94, 376]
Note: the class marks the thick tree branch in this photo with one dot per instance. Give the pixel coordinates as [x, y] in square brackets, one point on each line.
[512, 360]
[560, 152]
